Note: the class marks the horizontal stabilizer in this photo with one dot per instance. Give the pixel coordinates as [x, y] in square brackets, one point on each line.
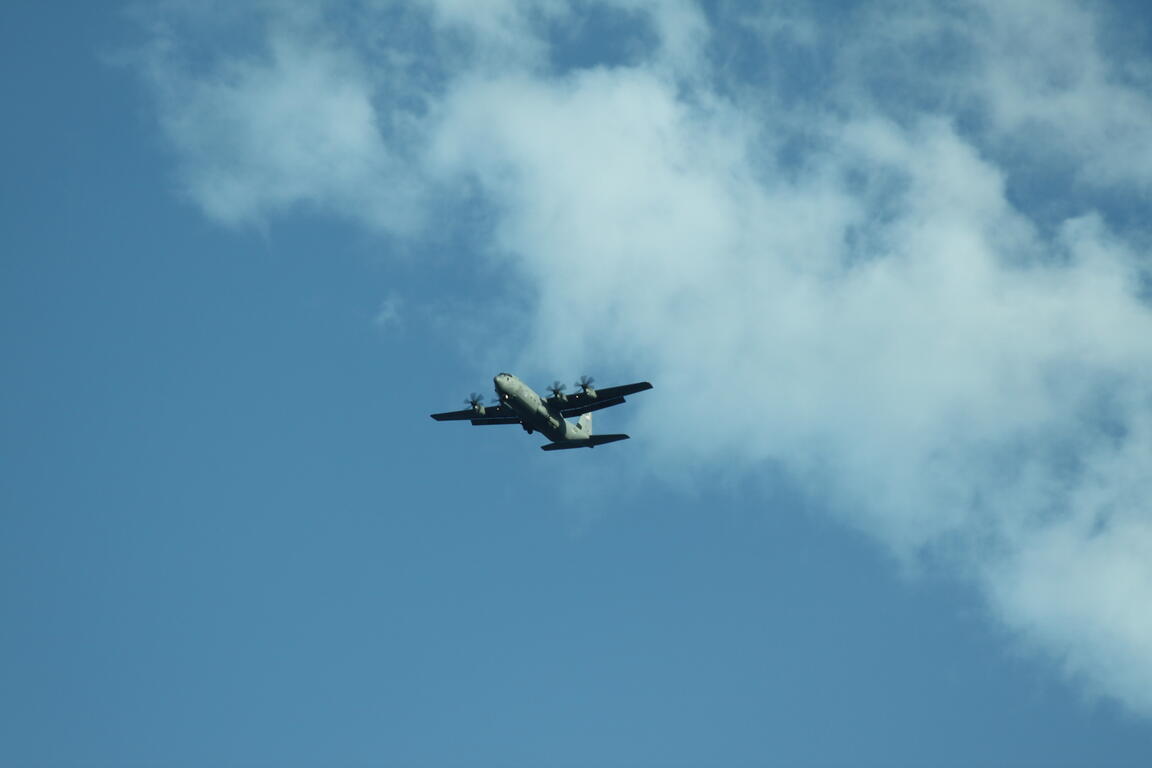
[591, 442]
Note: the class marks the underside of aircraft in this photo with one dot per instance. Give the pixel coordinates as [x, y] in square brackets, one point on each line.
[517, 403]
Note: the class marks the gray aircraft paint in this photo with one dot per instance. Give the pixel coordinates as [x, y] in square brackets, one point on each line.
[536, 414]
[520, 404]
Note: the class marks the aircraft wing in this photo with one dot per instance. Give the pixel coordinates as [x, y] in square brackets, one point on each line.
[579, 402]
[493, 414]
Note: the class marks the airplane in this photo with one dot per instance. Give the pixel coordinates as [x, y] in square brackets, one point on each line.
[517, 404]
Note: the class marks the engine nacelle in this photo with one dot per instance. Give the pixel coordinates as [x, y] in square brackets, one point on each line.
[585, 385]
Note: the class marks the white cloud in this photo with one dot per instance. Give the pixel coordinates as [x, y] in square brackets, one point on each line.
[499, 33]
[1078, 589]
[1051, 88]
[848, 280]
[1042, 79]
[291, 124]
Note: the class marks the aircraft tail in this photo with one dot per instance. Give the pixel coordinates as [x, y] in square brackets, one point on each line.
[590, 441]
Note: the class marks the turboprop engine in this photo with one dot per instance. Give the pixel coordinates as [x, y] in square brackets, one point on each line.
[585, 384]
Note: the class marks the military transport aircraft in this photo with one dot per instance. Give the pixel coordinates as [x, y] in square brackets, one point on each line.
[518, 404]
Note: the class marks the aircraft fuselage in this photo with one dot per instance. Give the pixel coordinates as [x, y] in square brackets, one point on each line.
[535, 412]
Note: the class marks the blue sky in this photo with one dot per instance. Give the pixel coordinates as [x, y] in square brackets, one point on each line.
[887, 504]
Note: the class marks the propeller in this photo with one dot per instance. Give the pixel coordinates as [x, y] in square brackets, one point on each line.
[476, 402]
[585, 384]
[557, 390]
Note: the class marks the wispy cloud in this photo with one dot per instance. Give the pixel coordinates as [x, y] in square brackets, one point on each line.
[837, 237]
[390, 314]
